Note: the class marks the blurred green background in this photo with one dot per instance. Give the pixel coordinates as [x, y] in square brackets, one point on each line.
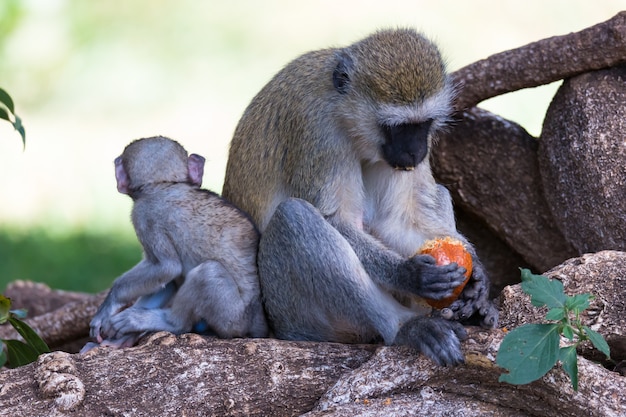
[88, 77]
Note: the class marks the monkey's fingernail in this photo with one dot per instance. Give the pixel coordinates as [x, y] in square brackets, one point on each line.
[446, 313]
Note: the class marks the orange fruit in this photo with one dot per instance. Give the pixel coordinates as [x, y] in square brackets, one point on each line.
[447, 250]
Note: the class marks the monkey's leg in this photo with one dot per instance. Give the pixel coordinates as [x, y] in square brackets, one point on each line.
[316, 288]
[210, 293]
[159, 298]
[155, 300]
[144, 278]
[313, 285]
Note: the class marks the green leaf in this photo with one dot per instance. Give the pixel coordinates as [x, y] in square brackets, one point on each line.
[578, 302]
[20, 129]
[4, 115]
[598, 341]
[528, 352]
[556, 314]
[569, 360]
[543, 291]
[5, 306]
[6, 99]
[3, 354]
[568, 332]
[30, 336]
[19, 353]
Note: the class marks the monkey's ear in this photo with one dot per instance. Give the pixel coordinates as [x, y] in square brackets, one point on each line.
[195, 169]
[341, 73]
[121, 176]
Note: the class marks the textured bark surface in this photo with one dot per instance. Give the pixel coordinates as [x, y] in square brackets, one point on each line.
[38, 298]
[191, 375]
[490, 166]
[582, 160]
[542, 62]
[65, 324]
[186, 375]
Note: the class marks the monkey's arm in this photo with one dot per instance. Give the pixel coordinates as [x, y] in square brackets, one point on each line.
[475, 296]
[418, 274]
[147, 277]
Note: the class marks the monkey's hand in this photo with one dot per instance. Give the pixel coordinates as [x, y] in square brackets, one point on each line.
[473, 304]
[106, 310]
[127, 341]
[436, 338]
[423, 277]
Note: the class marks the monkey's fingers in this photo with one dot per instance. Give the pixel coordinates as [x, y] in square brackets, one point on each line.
[461, 309]
[450, 274]
[95, 330]
[460, 331]
[124, 341]
[476, 305]
[425, 259]
[89, 346]
[438, 290]
[490, 315]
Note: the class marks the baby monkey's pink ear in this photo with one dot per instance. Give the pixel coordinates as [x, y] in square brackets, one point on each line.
[121, 176]
[195, 167]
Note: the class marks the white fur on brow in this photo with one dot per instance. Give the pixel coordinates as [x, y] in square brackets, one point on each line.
[437, 107]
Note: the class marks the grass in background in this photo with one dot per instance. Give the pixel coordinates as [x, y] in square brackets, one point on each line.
[78, 261]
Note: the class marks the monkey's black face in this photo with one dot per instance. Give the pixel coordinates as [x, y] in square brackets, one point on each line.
[406, 145]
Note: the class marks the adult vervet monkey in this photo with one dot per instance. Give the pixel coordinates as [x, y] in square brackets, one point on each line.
[331, 161]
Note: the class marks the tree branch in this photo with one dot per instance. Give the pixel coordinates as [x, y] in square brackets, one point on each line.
[62, 325]
[543, 62]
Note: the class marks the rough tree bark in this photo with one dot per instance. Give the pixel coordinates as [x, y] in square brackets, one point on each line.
[193, 375]
[543, 62]
[490, 164]
[582, 155]
[59, 326]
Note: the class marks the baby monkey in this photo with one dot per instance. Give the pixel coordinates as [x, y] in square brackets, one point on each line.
[198, 270]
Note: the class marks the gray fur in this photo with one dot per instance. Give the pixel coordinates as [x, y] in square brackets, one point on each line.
[190, 237]
[324, 161]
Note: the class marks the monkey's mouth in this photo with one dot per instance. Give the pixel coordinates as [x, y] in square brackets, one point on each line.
[406, 145]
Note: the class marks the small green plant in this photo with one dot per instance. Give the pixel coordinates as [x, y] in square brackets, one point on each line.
[528, 352]
[7, 112]
[15, 352]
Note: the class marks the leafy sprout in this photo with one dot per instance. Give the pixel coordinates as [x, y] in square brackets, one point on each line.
[7, 112]
[15, 352]
[528, 352]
